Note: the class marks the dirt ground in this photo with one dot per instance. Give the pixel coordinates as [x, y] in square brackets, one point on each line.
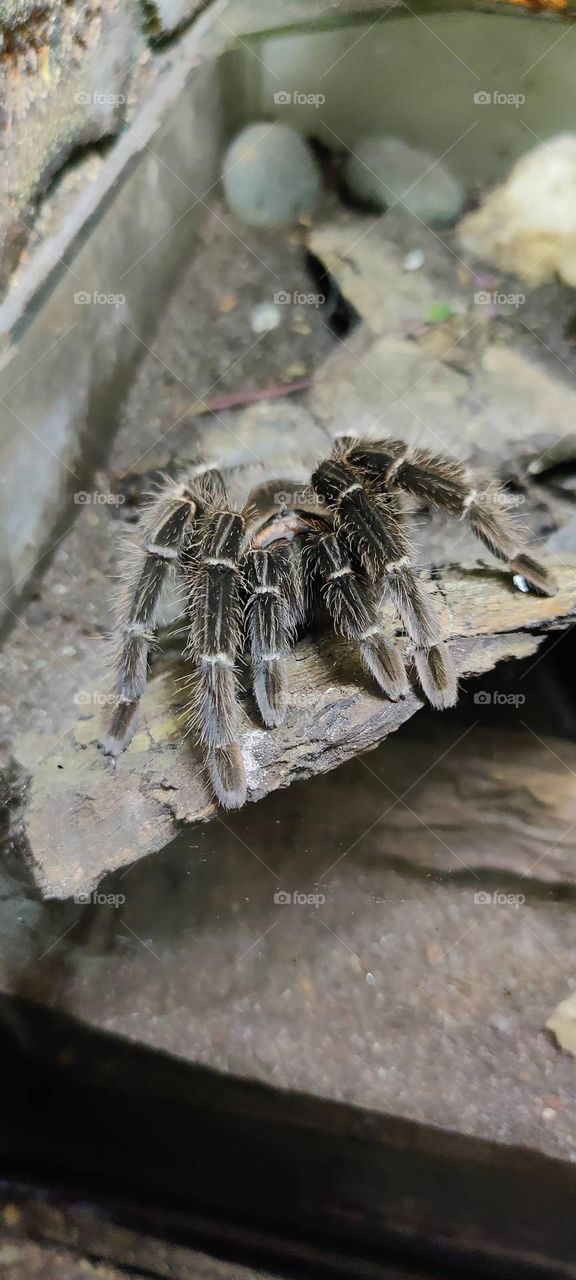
[384, 980]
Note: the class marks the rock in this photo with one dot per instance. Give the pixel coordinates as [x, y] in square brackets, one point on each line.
[527, 225]
[386, 171]
[563, 1024]
[67, 73]
[270, 177]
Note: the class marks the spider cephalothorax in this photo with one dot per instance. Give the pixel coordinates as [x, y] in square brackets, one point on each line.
[251, 578]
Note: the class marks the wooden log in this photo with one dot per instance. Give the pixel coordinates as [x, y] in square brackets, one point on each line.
[83, 819]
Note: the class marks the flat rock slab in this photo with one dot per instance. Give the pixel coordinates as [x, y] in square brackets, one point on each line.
[84, 818]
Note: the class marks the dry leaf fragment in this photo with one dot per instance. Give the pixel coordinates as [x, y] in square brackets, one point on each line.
[227, 303]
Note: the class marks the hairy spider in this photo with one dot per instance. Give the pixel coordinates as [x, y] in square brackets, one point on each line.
[251, 578]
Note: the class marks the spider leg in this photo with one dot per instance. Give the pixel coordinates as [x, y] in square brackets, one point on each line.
[214, 613]
[437, 675]
[443, 482]
[150, 562]
[271, 611]
[353, 609]
[370, 526]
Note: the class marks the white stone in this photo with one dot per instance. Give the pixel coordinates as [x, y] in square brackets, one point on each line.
[413, 260]
[264, 317]
[386, 171]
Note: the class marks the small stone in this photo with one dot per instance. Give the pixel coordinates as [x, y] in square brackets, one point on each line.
[270, 177]
[549, 1114]
[413, 260]
[386, 171]
[228, 302]
[264, 317]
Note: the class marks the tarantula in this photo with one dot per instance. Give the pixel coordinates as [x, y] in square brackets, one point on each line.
[252, 578]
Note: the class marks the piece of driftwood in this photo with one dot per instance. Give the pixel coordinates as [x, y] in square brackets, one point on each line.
[82, 818]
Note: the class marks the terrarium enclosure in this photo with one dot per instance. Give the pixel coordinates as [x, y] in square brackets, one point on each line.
[388, 921]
